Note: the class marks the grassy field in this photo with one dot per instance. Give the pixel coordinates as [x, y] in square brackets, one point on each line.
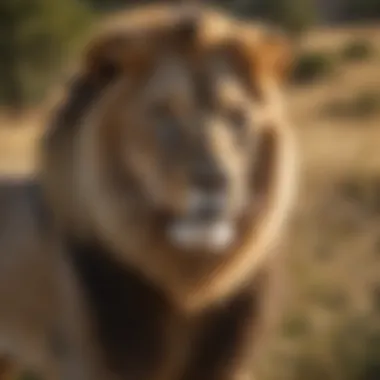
[332, 325]
[331, 330]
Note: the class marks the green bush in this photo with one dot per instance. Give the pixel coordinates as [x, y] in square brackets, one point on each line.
[362, 105]
[367, 103]
[296, 16]
[37, 37]
[357, 50]
[312, 66]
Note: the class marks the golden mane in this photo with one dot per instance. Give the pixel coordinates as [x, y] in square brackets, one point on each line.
[75, 164]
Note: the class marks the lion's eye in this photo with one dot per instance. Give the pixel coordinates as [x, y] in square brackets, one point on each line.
[166, 132]
[158, 111]
[237, 118]
[165, 125]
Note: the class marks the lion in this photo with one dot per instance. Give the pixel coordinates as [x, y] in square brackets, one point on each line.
[167, 176]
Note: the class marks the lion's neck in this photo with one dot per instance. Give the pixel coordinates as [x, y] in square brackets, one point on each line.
[136, 326]
[127, 312]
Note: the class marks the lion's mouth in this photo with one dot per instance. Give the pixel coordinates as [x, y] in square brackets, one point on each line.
[192, 234]
[208, 225]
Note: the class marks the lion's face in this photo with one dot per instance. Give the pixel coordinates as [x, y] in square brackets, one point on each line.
[182, 124]
[188, 137]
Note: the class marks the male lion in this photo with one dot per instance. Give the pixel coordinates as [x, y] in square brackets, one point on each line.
[168, 173]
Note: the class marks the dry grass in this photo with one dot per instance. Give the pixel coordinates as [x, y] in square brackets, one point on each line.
[334, 244]
[18, 140]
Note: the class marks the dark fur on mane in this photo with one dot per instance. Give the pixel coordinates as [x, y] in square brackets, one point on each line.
[131, 317]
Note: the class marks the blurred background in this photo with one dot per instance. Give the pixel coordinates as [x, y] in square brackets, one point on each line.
[331, 326]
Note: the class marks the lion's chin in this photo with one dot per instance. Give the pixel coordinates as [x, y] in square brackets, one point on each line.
[191, 235]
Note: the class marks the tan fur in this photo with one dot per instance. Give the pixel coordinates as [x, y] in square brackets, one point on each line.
[133, 46]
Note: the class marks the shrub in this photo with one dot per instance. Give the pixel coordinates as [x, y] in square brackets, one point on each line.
[357, 50]
[36, 37]
[312, 66]
[366, 104]
[362, 105]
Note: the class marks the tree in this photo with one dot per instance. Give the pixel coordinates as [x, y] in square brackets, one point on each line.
[293, 15]
[35, 38]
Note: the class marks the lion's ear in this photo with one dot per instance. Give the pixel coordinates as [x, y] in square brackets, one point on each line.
[184, 31]
[273, 55]
[133, 51]
[264, 54]
[108, 56]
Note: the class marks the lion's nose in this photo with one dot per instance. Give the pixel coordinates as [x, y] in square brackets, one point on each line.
[209, 178]
[207, 206]
[210, 185]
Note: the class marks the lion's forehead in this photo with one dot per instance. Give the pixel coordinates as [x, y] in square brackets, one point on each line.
[217, 82]
[179, 103]
[212, 25]
[172, 76]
